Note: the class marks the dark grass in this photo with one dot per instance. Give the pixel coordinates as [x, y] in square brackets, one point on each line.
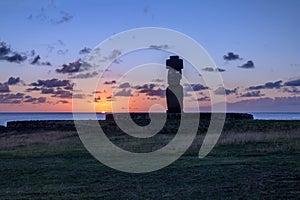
[61, 168]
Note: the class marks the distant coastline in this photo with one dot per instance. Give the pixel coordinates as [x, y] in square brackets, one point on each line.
[34, 116]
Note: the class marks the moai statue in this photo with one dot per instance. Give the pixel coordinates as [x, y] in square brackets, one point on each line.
[174, 91]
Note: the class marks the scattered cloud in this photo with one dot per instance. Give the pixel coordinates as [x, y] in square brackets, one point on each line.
[231, 56]
[85, 50]
[124, 93]
[33, 89]
[97, 99]
[62, 102]
[70, 68]
[223, 91]
[158, 80]
[13, 81]
[47, 91]
[19, 98]
[268, 85]
[194, 87]
[51, 83]
[110, 98]
[164, 46]
[11, 98]
[62, 52]
[205, 98]
[63, 18]
[6, 54]
[248, 65]
[35, 100]
[78, 96]
[124, 85]
[110, 82]
[51, 13]
[293, 90]
[113, 56]
[211, 69]
[293, 83]
[98, 92]
[86, 75]
[252, 94]
[4, 88]
[35, 60]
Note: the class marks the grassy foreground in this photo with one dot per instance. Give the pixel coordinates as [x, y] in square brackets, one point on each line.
[253, 159]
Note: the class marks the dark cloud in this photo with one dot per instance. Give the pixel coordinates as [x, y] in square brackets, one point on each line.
[292, 83]
[97, 99]
[194, 87]
[223, 91]
[16, 57]
[64, 94]
[19, 98]
[210, 69]
[11, 98]
[7, 54]
[154, 92]
[124, 93]
[110, 98]
[252, 94]
[149, 90]
[33, 89]
[13, 81]
[205, 98]
[69, 87]
[268, 85]
[124, 85]
[145, 86]
[85, 50]
[4, 49]
[70, 68]
[52, 83]
[47, 91]
[85, 75]
[62, 102]
[231, 56]
[247, 65]
[110, 82]
[4, 88]
[35, 100]
[36, 59]
[47, 63]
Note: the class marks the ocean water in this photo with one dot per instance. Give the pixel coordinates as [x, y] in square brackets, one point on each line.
[7, 117]
[276, 115]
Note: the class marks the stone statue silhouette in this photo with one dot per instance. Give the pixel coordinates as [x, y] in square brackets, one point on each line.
[174, 92]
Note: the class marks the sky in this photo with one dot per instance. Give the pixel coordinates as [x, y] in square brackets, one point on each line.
[44, 44]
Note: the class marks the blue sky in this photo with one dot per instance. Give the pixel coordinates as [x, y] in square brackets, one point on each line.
[264, 32]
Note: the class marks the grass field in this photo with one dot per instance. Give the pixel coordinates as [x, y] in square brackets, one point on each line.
[254, 159]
